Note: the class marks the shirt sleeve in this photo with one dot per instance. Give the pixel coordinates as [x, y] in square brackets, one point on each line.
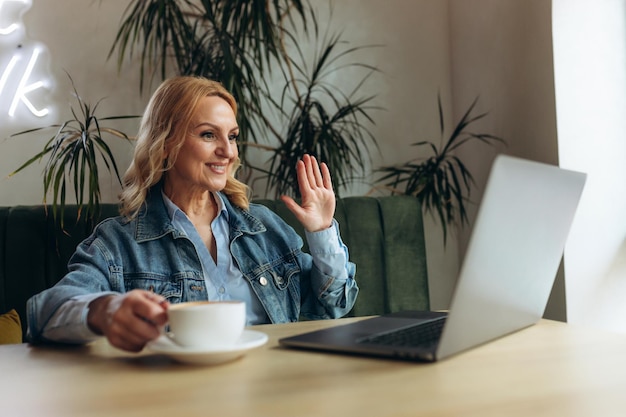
[69, 322]
[330, 254]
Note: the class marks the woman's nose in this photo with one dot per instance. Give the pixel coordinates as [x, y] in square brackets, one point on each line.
[227, 148]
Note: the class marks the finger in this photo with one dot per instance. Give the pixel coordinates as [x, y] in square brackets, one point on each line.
[126, 339]
[155, 317]
[303, 180]
[138, 318]
[152, 308]
[292, 206]
[316, 172]
[310, 171]
[153, 296]
[328, 183]
[122, 334]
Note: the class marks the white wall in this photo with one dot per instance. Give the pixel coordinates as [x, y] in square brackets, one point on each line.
[590, 68]
[502, 52]
[77, 36]
[553, 77]
[414, 60]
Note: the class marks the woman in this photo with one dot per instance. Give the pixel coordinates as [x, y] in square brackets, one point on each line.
[187, 232]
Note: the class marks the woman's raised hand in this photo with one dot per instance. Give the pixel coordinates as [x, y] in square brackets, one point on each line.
[317, 208]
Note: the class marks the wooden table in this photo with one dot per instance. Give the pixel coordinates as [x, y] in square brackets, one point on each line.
[552, 369]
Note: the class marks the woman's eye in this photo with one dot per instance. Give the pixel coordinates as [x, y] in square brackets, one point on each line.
[212, 136]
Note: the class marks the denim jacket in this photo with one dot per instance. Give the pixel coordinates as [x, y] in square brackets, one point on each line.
[149, 253]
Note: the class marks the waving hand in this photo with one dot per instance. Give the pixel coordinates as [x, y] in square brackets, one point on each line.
[317, 207]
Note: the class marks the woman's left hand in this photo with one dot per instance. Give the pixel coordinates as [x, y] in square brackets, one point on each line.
[317, 207]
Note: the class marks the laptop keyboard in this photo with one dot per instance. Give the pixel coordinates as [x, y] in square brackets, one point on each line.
[422, 334]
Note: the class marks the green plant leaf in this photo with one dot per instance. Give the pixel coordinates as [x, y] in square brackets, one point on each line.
[242, 44]
[72, 155]
[441, 181]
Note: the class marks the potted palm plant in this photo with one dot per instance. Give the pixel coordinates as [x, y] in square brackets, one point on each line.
[252, 47]
[440, 180]
[243, 44]
[322, 122]
[74, 152]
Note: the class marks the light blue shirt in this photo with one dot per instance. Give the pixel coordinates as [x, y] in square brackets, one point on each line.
[223, 279]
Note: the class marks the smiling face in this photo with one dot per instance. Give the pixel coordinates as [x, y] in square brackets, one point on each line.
[209, 150]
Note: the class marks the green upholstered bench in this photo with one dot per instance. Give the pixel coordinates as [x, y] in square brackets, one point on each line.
[385, 237]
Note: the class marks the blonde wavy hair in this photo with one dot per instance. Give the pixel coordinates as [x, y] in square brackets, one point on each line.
[167, 120]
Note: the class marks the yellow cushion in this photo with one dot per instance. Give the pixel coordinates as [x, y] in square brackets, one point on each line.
[10, 328]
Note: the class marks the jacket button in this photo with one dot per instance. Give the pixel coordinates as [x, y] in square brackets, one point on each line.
[279, 280]
[263, 281]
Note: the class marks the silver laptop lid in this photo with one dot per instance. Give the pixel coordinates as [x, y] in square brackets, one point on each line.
[514, 252]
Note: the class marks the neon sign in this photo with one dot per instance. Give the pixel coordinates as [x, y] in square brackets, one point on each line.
[22, 80]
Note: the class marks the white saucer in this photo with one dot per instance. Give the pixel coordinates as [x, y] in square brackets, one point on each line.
[250, 339]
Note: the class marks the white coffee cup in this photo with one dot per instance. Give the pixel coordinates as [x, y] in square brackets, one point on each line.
[206, 324]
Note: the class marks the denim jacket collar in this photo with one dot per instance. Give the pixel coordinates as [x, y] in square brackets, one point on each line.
[153, 221]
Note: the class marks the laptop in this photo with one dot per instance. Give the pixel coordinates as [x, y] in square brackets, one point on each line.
[505, 280]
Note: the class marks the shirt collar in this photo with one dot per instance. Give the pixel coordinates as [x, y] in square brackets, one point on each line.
[173, 209]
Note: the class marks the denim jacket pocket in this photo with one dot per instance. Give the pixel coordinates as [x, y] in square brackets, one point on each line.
[158, 284]
[281, 275]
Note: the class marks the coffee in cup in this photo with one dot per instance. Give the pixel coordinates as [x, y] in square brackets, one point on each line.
[206, 324]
